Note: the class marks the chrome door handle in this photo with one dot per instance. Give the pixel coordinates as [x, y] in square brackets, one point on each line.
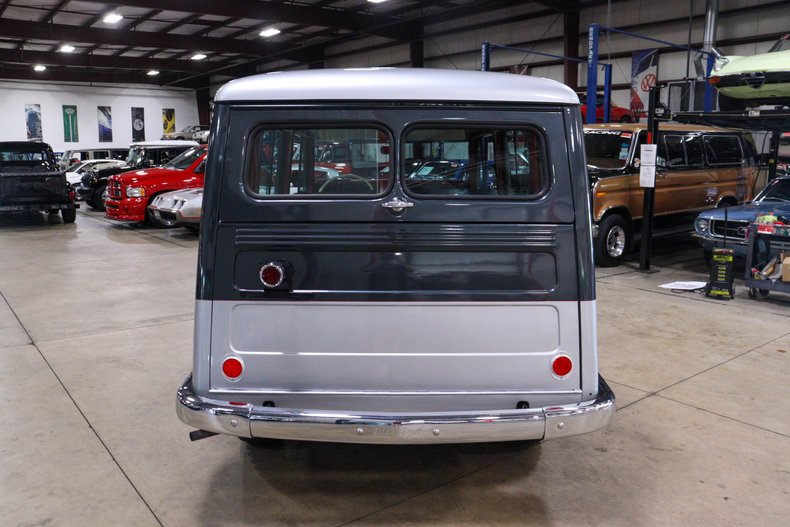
[397, 204]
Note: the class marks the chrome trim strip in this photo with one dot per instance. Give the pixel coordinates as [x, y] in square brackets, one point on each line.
[259, 393]
[451, 427]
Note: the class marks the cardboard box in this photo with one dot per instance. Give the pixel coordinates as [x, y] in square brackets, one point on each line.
[786, 269]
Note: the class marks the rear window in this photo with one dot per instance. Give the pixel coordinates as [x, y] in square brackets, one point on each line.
[723, 149]
[297, 162]
[475, 161]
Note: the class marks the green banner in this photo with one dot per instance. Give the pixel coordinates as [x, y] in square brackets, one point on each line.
[70, 131]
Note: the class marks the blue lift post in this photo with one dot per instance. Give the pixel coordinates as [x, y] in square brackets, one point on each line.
[592, 71]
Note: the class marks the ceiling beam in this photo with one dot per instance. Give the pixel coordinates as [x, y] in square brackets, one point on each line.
[86, 60]
[92, 35]
[93, 76]
[275, 12]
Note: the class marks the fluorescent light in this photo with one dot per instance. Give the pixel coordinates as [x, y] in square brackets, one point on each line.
[66, 48]
[39, 67]
[269, 32]
[376, 1]
[152, 73]
[112, 18]
[198, 56]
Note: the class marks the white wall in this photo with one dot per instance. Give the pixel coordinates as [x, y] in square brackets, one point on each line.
[52, 97]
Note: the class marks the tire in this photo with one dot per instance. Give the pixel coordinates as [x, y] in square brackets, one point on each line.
[97, 200]
[68, 215]
[731, 104]
[612, 242]
[626, 119]
[191, 228]
[707, 254]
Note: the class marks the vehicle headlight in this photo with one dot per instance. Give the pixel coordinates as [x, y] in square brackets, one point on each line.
[720, 63]
[701, 225]
[135, 192]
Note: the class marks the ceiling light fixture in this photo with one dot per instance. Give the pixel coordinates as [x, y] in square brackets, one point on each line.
[269, 32]
[198, 56]
[39, 67]
[376, 1]
[66, 48]
[112, 18]
[152, 72]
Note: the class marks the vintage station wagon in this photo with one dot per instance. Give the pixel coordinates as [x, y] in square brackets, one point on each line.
[441, 292]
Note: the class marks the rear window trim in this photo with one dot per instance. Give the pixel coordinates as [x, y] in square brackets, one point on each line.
[541, 132]
[291, 125]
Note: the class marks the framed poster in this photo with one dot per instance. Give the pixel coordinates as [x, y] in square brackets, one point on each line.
[138, 124]
[33, 122]
[70, 130]
[168, 120]
[104, 114]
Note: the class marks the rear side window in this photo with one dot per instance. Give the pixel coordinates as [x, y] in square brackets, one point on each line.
[723, 149]
[318, 162]
[475, 161]
[683, 150]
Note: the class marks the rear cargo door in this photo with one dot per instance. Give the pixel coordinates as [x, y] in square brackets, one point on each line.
[438, 254]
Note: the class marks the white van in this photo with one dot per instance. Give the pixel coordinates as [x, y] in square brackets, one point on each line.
[432, 282]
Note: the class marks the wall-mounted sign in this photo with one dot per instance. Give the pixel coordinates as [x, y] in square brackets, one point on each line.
[138, 124]
[168, 120]
[104, 114]
[70, 129]
[33, 122]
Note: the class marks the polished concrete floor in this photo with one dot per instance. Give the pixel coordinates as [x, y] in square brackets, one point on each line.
[95, 337]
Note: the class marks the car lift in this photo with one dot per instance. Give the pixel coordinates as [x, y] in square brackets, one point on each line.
[607, 84]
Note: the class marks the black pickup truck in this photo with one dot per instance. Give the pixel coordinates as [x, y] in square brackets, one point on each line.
[30, 180]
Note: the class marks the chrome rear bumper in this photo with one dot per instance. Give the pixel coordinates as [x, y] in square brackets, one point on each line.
[219, 416]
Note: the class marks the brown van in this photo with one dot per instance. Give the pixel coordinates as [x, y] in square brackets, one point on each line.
[698, 168]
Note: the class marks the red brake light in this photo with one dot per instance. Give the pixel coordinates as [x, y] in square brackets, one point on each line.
[272, 274]
[232, 368]
[713, 80]
[561, 366]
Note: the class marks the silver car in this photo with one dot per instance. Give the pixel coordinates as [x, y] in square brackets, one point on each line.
[178, 208]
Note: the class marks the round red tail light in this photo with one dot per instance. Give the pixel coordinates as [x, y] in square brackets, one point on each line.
[232, 368]
[272, 274]
[561, 366]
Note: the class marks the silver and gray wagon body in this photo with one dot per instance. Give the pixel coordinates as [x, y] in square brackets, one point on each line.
[395, 256]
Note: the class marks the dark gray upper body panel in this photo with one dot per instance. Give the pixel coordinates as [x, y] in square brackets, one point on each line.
[522, 249]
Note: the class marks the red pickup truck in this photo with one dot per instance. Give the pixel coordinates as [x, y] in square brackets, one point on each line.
[130, 193]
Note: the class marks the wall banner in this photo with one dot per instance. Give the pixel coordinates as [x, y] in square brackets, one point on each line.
[644, 71]
[138, 124]
[70, 130]
[104, 114]
[168, 120]
[33, 122]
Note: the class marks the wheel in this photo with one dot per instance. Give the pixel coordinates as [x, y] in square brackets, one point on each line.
[99, 197]
[731, 104]
[707, 254]
[68, 215]
[625, 119]
[612, 241]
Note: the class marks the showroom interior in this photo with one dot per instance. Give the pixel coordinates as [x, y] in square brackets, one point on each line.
[112, 114]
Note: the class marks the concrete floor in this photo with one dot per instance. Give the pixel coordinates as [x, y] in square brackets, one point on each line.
[95, 337]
